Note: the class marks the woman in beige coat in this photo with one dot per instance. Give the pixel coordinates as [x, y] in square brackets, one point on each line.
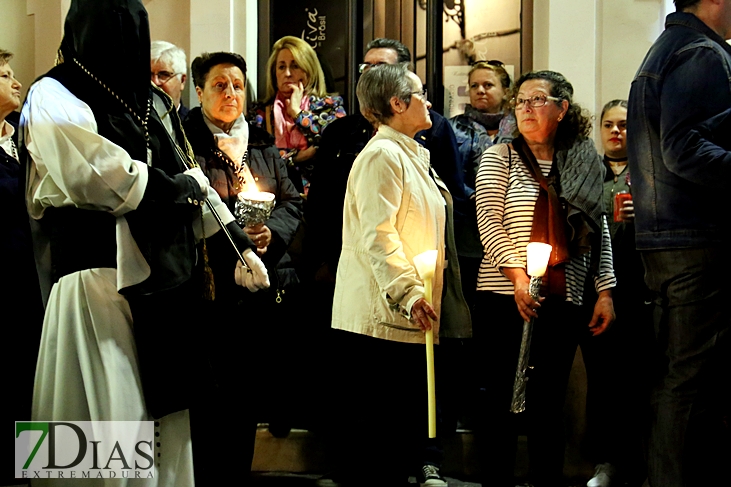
[393, 211]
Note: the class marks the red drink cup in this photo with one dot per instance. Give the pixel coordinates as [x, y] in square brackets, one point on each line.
[619, 200]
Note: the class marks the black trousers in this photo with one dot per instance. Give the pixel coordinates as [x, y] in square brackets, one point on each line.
[619, 369]
[381, 409]
[497, 328]
[223, 412]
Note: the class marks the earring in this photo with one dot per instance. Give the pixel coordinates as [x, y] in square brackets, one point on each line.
[560, 118]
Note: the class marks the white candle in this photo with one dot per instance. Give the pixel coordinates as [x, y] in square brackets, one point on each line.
[256, 196]
[425, 264]
[537, 256]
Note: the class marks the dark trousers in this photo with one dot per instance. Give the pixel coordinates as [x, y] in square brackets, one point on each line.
[381, 410]
[689, 442]
[224, 409]
[497, 329]
[618, 368]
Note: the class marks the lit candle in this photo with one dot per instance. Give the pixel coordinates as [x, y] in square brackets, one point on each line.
[537, 256]
[425, 264]
[253, 207]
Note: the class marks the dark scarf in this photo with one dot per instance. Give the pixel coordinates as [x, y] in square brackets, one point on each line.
[491, 121]
[575, 179]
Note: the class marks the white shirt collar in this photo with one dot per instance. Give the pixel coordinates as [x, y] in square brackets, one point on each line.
[6, 137]
[6, 130]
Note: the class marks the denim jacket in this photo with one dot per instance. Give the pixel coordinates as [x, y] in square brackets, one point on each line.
[679, 123]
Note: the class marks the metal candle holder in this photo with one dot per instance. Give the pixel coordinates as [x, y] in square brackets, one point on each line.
[517, 405]
[537, 256]
[253, 208]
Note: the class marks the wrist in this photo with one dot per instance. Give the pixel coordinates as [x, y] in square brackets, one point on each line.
[515, 274]
[606, 294]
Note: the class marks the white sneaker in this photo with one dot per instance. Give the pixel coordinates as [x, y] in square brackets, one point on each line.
[602, 475]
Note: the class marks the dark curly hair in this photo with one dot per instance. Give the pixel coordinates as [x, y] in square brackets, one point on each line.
[203, 64]
[576, 123]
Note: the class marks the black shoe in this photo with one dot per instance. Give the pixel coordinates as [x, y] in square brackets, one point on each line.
[429, 476]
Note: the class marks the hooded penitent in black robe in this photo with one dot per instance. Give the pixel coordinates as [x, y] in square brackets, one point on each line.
[106, 62]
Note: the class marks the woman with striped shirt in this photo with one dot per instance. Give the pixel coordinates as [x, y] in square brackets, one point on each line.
[545, 186]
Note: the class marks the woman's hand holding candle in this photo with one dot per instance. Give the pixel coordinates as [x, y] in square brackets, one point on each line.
[421, 311]
[261, 236]
[527, 306]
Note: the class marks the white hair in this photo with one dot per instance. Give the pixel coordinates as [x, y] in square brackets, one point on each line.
[167, 52]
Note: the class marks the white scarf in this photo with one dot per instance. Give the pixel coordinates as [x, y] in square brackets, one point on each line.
[234, 145]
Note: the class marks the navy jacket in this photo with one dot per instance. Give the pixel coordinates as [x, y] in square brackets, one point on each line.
[679, 148]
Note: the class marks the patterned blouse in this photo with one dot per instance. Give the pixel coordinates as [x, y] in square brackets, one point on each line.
[310, 122]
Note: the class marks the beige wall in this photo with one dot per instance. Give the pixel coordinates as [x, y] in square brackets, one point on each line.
[597, 45]
[627, 34]
[32, 29]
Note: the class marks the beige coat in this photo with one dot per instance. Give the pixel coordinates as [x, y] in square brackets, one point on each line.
[393, 211]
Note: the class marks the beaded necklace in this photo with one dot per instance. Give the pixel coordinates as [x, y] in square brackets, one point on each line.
[142, 121]
[239, 170]
[14, 149]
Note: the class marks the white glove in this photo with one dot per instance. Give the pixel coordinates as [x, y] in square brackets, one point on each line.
[255, 277]
[197, 174]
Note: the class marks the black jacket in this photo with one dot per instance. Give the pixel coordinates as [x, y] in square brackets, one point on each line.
[20, 294]
[270, 172]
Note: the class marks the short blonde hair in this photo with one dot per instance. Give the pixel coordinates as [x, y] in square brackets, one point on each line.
[305, 58]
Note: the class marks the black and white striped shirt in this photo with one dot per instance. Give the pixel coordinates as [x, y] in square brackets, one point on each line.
[506, 196]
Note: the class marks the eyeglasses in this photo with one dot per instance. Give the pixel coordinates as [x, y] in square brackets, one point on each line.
[422, 93]
[363, 67]
[534, 101]
[163, 76]
[492, 62]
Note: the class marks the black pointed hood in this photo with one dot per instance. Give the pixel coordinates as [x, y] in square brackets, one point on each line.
[111, 38]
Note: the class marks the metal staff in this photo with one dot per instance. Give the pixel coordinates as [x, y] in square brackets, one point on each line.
[228, 234]
[537, 259]
[190, 163]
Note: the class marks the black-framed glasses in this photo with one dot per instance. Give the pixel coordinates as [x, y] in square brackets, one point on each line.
[422, 93]
[492, 62]
[363, 67]
[534, 101]
[163, 76]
